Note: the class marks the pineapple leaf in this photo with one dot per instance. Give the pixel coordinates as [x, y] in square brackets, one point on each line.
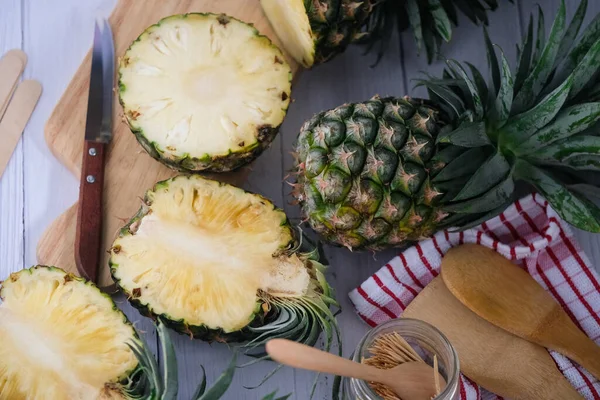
[493, 4]
[524, 125]
[220, 386]
[464, 164]
[414, 16]
[582, 162]
[450, 11]
[488, 175]
[574, 209]
[501, 111]
[588, 38]
[467, 10]
[567, 123]
[492, 62]
[586, 69]
[447, 95]
[534, 84]
[524, 58]
[170, 382]
[571, 32]
[585, 190]
[492, 199]
[202, 386]
[429, 39]
[477, 104]
[540, 37]
[482, 88]
[442, 23]
[469, 223]
[560, 150]
[468, 134]
[271, 396]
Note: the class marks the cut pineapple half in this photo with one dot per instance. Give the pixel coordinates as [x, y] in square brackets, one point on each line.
[204, 91]
[217, 262]
[61, 338]
[292, 26]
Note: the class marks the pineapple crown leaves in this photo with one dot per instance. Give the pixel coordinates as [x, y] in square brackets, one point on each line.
[301, 319]
[536, 122]
[431, 22]
[150, 383]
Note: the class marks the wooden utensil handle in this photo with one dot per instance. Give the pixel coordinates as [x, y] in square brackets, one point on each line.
[88, 238]
[299, 355]
[583, 351]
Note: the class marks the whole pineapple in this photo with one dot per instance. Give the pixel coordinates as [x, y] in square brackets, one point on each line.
[389, 171]
[316, 31]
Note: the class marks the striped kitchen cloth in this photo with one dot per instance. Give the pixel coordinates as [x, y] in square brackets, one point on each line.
[531, 234]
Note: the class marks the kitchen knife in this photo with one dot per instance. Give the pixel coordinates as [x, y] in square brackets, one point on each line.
[98, 133]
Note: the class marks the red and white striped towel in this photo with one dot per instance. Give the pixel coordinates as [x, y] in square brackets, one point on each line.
[531, 234]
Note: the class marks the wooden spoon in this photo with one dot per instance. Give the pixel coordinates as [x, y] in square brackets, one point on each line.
[508, 297]
[411, 381]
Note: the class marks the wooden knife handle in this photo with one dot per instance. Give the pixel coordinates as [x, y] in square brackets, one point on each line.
[88, 239]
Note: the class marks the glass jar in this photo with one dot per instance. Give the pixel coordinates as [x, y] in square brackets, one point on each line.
[425, 339]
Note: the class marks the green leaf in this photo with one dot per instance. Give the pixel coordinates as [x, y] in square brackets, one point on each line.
[487, 176]
[525, 58]
[170, 382]
[585, 42]
[447, 95]
[429, 39]
[540, 37]
[464, 225]
[560, 150]
[501, 111]
[571, 32]
[482, 88]
[414, 17]
[585, 190]
[586, 69]
[567, 123]
[574, 209]
[468, 134]
[582, 162]
[202, 386]
[492, 62]
[450, 10]
[442, 23]
[524, 125]
[464, 164]
[220, 386]
[535, 81]
[466, 9]
[477, 104]
[492, 199]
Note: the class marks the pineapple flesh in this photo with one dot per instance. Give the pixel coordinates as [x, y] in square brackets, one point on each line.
[390, 171]
[315, 31]
[212, 260]
[204, 91]
[61, 339]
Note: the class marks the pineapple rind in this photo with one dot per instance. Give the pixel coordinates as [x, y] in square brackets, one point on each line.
[264, 135]
[118, 383]
[265, 308]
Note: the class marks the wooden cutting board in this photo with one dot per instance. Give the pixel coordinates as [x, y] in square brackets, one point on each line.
[129, 170]
[495, 359]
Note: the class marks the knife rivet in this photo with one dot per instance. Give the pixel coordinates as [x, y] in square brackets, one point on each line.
[90, 179]
[92, 152]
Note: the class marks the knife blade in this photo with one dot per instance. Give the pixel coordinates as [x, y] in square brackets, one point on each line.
[98, 133]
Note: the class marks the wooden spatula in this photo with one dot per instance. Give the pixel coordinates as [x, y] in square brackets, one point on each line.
[495, 359]
[12, 65]
[508, 297]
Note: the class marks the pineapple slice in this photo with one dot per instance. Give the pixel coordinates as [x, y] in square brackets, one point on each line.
[204, 91]
[61, 339]
[217, 262]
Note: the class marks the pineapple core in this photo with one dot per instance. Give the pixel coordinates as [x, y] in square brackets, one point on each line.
[291, 24]
[203, 86]
[203, 251]
[61, 339]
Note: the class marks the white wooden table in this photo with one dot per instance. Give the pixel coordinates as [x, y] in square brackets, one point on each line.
[36, 188]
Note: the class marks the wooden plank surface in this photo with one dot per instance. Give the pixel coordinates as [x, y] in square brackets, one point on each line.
[36, 188]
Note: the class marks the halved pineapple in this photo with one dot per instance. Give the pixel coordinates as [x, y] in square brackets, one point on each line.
[314, 31]
[61, 339]
[217, 262]
[204, 91]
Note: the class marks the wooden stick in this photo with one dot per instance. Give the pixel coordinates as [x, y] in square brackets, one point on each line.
[16, 117]
[12, 65]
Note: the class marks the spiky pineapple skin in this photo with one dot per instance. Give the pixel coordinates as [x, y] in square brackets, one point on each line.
[335, 24]
[189, 164]
[363, 172]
